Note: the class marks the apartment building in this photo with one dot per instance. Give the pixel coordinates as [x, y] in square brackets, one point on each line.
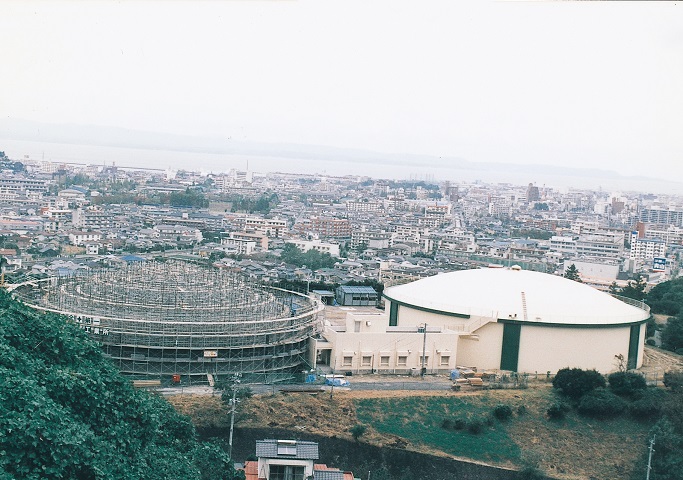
[317, 245]
[646, 248]
[271, 227]
[81, 238]
[323, 227]
[92, 218]
[259, 240]
[22, 185]
[364, 205]
[669, 216]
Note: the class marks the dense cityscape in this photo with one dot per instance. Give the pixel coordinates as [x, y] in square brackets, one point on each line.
[62, 218]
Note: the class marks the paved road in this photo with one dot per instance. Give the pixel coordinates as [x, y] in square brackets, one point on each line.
[397, 383]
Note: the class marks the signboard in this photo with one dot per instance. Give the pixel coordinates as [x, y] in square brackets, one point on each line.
[659, 264]
[210, 353]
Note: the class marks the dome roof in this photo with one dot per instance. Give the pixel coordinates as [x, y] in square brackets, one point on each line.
[517, 294]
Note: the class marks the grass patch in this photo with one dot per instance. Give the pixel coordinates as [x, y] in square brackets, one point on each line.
[420, 421]
[576, 445]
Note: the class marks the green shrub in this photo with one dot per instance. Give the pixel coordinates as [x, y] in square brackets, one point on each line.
[557, 411]
[575, 382]
[530, 473]
[648, 404]
[651, 342]
[522, 410]
[358, 431]
[502, 412]
[626, 383]
[674, 380]
[459, 424]
[489, 421]
[447, 423]
[601, 403]
[475, 426]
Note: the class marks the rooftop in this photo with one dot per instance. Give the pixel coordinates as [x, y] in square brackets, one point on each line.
[517, 294]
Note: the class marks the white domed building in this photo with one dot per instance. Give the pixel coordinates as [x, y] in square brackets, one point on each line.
[496, 319]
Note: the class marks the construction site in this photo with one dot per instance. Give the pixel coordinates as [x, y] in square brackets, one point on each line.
[185, 322]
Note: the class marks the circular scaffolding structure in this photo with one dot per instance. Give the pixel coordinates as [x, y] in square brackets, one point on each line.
[178, 318]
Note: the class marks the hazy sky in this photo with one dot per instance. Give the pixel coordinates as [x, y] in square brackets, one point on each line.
[586, 84]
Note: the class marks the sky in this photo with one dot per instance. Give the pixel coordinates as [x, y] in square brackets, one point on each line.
[587, 84]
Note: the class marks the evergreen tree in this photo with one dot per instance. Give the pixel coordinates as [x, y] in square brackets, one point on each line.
[572, 273]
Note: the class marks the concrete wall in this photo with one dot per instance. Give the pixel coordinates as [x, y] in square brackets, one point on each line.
[547, 348]
[359, 346]
[482, 350]
[412, 317]
[543, 349]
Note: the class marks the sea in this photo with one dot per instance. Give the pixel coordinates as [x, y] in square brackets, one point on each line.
[400, 170]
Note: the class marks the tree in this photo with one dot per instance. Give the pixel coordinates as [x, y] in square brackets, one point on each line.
[635, 289]
[666, 297]
[672, 335]
[70, 414]
[572, 273]
[358, 431]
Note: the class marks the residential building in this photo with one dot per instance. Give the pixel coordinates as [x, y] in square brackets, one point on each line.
[323, 227]
[290, 460]
[646, 248]
[317, 245]
[81, 238]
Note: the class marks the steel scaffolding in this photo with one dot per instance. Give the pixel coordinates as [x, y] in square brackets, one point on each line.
[164, 318]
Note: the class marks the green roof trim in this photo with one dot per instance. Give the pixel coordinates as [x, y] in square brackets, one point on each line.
[425, 309]
[568, 325]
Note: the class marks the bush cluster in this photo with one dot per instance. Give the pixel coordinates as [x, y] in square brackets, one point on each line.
[647, 404]
[502, 412]
[626, 383]
[674, 381]
[601, 403]
[575, 382]
[472, 425]
[558, 411]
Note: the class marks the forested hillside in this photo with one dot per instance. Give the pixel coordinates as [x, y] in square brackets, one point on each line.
[65, 412]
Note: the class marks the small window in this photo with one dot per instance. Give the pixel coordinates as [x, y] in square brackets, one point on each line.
[384, 361]
[445, 360]
[286, 448]
[402, 360]
[348, 361]
[366, 361]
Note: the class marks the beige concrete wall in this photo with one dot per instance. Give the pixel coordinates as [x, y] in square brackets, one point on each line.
[411, 317]
[482, 350]
[543, 349]
[359, 346]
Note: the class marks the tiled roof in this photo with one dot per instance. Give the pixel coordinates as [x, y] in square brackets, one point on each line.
[328, 475]
[251, 470]
[304, 450]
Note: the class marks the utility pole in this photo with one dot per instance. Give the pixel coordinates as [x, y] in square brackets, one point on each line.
[649, 457]
[233, 402]
[424, 351]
